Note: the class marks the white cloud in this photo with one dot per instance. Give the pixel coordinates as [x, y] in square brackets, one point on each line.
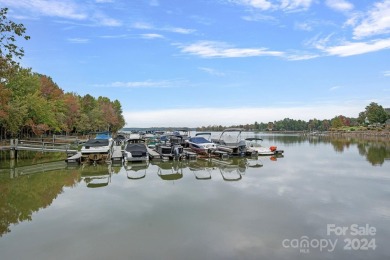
[102, 19]
[285, 5]
[355, 48]
[142, 26]
[142, 84]
[178, 30]
[256, 17]
[212, 71]
[148, 26]
[68, 9]
[386, 73]
[260, 4]
[334, 88]
[233, 116]
[375, 22]
[211, 49]
[297, 57]
[295, 5]
[152, 36]
[64, 9]
[303, 26]
[104, 1]
[118, 36]
[78, 40]
[339, 5]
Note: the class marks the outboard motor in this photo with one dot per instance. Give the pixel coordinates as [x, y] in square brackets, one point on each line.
[176, 151]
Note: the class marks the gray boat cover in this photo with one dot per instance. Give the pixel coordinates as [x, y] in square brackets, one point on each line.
[137, 149]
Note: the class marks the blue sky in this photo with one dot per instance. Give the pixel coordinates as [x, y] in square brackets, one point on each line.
[205, 62]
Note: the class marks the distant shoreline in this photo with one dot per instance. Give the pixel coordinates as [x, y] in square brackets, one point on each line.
[357, 133]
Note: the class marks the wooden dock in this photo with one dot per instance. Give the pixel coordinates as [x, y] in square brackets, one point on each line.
[153, 155]
[189, 154]
[117, 155]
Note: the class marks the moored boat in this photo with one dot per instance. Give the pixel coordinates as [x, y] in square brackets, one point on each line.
[136, 149]
[253, 143]
[230, 141]
[168, 151]
[98, 148]
[201, 144]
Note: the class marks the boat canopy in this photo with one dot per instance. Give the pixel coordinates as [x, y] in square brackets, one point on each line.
[233, 130]
[96, 142]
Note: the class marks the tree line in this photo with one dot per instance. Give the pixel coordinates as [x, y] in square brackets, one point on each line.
[33, 104]
[373, 114]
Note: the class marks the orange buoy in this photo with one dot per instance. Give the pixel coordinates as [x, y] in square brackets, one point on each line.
[273, 148]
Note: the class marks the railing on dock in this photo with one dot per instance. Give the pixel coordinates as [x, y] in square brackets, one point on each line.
[39, 145]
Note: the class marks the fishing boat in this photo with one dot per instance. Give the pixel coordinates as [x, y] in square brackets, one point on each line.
[180, 136]
[202, 145]
[254, 144]
[98, 148]
[230, 141]
[168, 150]
[136, 149]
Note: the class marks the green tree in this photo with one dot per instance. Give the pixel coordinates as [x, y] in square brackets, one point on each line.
[337, 122]
[16, 116]
[9, 31]
[376, 113]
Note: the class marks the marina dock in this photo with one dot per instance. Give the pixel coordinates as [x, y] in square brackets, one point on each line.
[117, 155]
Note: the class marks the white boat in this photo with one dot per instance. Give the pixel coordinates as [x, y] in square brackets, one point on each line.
[253, 143]
[230, 141]
[202, 145]
[135, 149]
[98, 148]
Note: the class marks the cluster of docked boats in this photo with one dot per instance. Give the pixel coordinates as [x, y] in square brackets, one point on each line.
[175, 145]
[178, 145]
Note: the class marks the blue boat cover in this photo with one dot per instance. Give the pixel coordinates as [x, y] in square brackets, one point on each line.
[198, 140]
[103, 136]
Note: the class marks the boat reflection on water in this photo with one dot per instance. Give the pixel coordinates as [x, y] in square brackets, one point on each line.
[276, 157]
[231, 170]
[96, 176]
[170, 170]
[136, 170]
[253, 162]
[201, 168]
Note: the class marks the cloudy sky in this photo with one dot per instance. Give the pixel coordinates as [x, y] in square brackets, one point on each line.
[206, 62]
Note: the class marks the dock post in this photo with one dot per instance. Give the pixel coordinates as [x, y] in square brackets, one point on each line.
[12, 149]
[12, 167]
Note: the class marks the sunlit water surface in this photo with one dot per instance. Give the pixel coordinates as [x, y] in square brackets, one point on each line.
[248, 208]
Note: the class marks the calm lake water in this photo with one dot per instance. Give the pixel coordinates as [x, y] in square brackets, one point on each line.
[325, 199]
